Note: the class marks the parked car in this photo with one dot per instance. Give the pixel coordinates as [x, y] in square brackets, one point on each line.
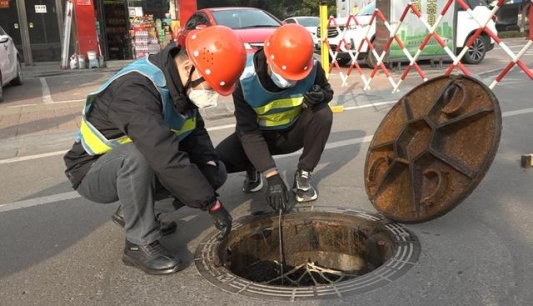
[311, 23]
[466, 26]
[10, 71]
[253, 25]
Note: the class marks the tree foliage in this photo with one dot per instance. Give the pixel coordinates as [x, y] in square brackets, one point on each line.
[280, 8]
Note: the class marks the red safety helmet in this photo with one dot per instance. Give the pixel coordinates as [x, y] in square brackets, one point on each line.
[219, 55]
[289, 52]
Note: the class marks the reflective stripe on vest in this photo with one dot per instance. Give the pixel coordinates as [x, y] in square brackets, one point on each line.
[275, 110]
[95, 143]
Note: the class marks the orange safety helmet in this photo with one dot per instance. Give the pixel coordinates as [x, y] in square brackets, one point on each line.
[289, 52]
[219, 55]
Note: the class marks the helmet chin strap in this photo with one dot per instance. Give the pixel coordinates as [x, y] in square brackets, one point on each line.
[190, 83]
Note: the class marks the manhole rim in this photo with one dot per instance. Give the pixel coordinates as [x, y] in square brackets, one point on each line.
[404, 258]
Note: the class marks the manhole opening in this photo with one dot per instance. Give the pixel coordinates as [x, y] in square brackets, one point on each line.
[330, 252]
[318, 249]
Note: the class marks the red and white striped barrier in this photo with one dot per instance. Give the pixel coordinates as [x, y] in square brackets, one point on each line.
[353, 23]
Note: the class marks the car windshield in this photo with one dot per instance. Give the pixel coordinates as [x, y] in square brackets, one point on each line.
[309, 21]
[248, 18]
[367, 10]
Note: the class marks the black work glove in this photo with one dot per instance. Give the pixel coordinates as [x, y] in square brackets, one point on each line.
[277, 195]
[313, 97]
[222, 220]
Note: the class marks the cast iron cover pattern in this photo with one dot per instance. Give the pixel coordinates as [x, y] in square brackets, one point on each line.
[433, 148]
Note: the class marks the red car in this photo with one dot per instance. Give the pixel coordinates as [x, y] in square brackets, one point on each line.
[253, 25]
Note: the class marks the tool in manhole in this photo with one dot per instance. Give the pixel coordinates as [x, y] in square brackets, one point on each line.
[428, 154]
[326, 251]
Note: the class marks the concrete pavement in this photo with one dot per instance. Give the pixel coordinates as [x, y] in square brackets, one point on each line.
[56, 97]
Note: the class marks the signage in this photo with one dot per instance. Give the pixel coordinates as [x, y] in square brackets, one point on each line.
[83, 2]
[412, 32]
[40, 9]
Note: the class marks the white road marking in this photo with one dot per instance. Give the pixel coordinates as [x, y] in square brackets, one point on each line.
[40, 201]
[47, 98]
[73, 194]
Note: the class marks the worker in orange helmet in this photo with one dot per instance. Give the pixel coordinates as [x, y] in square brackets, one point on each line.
[142, 139]
[281, 106]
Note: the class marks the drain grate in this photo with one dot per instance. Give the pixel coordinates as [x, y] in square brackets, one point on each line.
[328, 252]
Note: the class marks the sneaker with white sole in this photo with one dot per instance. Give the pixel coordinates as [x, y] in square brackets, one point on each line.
[253, 181]
[305, 192]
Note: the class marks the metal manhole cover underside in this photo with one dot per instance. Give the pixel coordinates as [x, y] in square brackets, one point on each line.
[401, 256]
[433, 148]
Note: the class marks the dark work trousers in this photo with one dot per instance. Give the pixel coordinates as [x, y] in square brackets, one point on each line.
[310, 132]
[123, 174]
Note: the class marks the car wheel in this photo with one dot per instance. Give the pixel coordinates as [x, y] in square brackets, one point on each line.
[476, 52]
[18, 80]
[371, 61]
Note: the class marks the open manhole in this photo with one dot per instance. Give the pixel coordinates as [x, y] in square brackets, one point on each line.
[428, 154]
[327, 252]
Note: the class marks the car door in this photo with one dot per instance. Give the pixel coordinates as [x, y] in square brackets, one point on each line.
[8, 62]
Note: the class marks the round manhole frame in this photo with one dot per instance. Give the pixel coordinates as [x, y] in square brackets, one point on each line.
[405, 256]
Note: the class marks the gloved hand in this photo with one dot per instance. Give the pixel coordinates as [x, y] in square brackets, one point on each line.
[277, 195]
[314, 96]
[222, 219]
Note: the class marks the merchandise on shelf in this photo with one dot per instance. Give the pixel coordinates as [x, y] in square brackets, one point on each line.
[146, 40]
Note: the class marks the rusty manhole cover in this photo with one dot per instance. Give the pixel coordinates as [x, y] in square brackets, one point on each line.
[433, 148]
[328, 253]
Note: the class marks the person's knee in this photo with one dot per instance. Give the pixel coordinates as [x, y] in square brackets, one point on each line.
[222, 175]
[135, 160]
[323, 116]
[216, 176]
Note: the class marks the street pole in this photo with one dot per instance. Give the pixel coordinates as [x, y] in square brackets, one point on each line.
[324, 52]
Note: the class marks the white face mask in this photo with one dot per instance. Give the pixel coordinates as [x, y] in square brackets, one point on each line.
[280, 81]
[204, 98]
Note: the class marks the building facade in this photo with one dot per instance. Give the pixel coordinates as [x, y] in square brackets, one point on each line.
[107, 27]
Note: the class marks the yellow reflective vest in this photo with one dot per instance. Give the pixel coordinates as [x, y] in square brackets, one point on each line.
[275, 110]
[95, 143]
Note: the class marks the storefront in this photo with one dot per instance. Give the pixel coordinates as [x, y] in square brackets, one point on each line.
[34, 26]
[118, 29]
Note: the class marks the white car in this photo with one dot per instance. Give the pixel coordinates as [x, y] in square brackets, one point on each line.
[10, 71]
[311, 23]
[466, 26]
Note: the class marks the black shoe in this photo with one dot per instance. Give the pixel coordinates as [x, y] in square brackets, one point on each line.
[253, 181]
[167, 226]
[305, 192]
[152, 258]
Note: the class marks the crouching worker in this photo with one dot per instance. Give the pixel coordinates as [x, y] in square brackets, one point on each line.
[142, 136]
[281, 106]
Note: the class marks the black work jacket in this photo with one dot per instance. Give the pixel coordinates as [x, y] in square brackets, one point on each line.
[131, 105]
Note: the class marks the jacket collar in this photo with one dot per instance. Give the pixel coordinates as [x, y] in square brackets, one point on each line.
[165, 61]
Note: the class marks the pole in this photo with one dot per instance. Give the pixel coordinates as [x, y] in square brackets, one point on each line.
[324, 51]
[530, 19]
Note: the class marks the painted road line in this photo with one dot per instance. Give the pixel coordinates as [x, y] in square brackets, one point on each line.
[47, 98]
[227, 126]
[74, 195]
[40, 201]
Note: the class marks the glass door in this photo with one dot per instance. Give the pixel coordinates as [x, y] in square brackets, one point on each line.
[43, 29]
